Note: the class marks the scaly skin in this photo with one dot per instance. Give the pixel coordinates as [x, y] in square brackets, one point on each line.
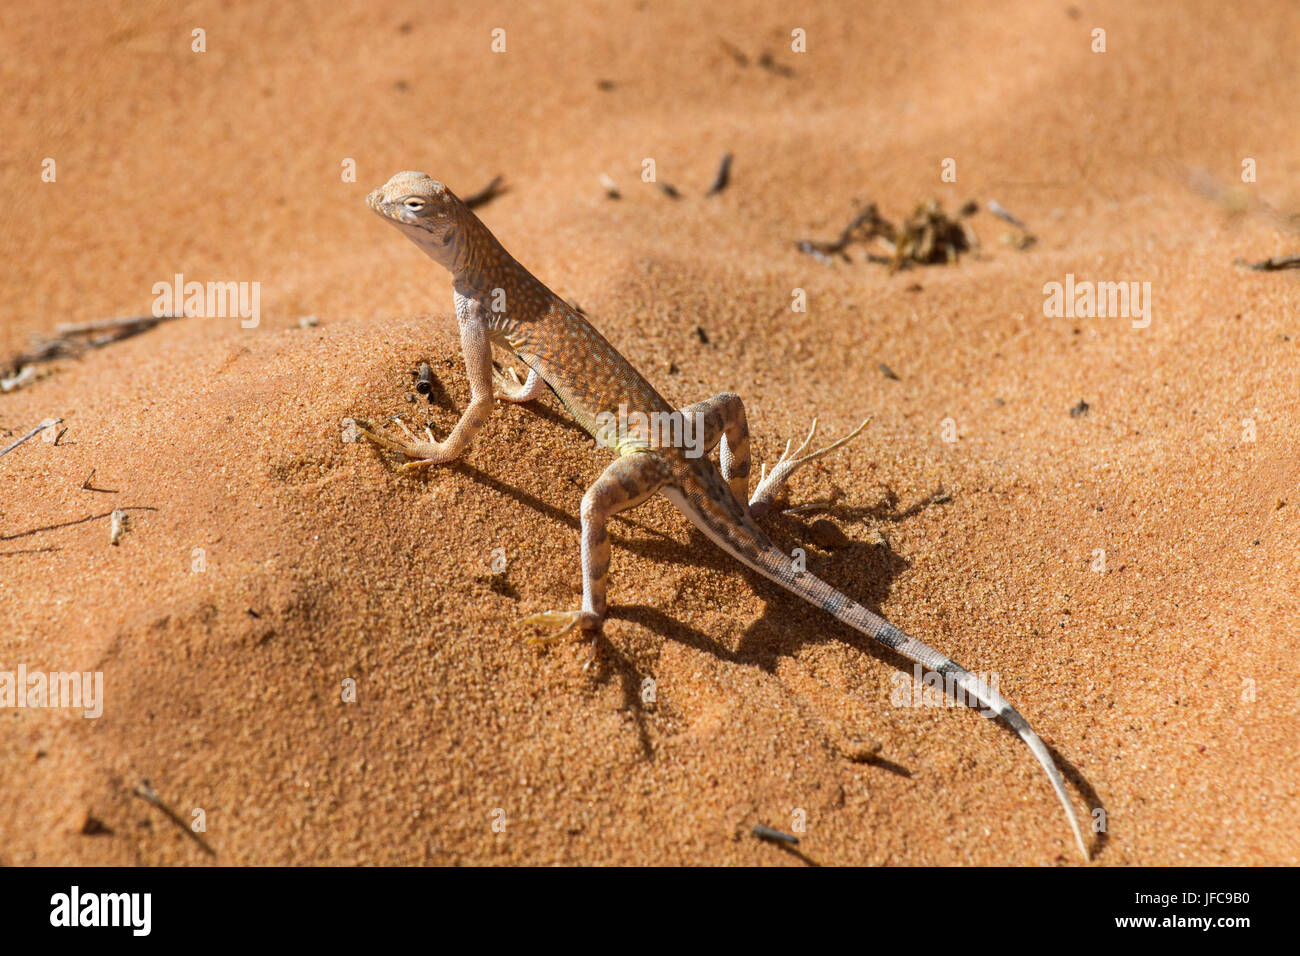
[499, 301]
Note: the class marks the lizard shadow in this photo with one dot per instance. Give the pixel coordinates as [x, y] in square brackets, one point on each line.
[631, 677]
[768, 640]
[656, 620]
[1074, 776]
[771, 638]
[887, 509]
[630, 680]
[763, 653]
[865, 572]
[543, 409]
[534, 503]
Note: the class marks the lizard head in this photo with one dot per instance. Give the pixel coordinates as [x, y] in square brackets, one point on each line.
[423, 208]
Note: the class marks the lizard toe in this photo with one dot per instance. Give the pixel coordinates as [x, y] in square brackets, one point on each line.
[561, 623]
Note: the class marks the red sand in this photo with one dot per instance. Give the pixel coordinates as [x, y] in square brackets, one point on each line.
[1167, 680]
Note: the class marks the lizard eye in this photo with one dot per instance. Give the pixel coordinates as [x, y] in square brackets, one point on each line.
[413, 203]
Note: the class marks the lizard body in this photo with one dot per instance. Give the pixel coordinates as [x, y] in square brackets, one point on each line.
[499, 301]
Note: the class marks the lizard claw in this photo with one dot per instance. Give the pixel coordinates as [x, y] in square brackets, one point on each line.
[770, 483]
[511, 388]
[507, 382]
[423, 452]
[583, 621]
[566, 621]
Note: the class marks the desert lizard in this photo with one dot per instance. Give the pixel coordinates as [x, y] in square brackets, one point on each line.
[500, 302]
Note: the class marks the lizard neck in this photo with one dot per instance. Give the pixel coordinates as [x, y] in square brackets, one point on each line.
[482, 271]
[479, 262]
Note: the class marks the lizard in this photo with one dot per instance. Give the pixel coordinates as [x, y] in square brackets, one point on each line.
[501, 303]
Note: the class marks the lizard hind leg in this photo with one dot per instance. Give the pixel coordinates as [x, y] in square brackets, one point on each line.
[771, 482]
[509, 386]
[722, 419]
[510, 389]
[626, 483]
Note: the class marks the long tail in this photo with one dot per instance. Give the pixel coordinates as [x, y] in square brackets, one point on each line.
[743, 540]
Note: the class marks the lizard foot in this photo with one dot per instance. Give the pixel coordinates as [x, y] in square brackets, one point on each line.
[422, 452]
[510, 389]
[566, 621]
[507, 382]
[771, 482]
[584, 622]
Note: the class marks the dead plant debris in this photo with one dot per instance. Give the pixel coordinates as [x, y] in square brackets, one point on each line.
[929, 236]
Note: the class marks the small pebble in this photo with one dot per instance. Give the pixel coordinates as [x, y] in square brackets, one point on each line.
[119, 523]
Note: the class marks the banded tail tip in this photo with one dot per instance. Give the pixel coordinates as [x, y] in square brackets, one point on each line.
[1044, 757]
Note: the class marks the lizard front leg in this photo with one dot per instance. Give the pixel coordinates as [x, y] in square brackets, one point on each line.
[477, 350]
[626, 483]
